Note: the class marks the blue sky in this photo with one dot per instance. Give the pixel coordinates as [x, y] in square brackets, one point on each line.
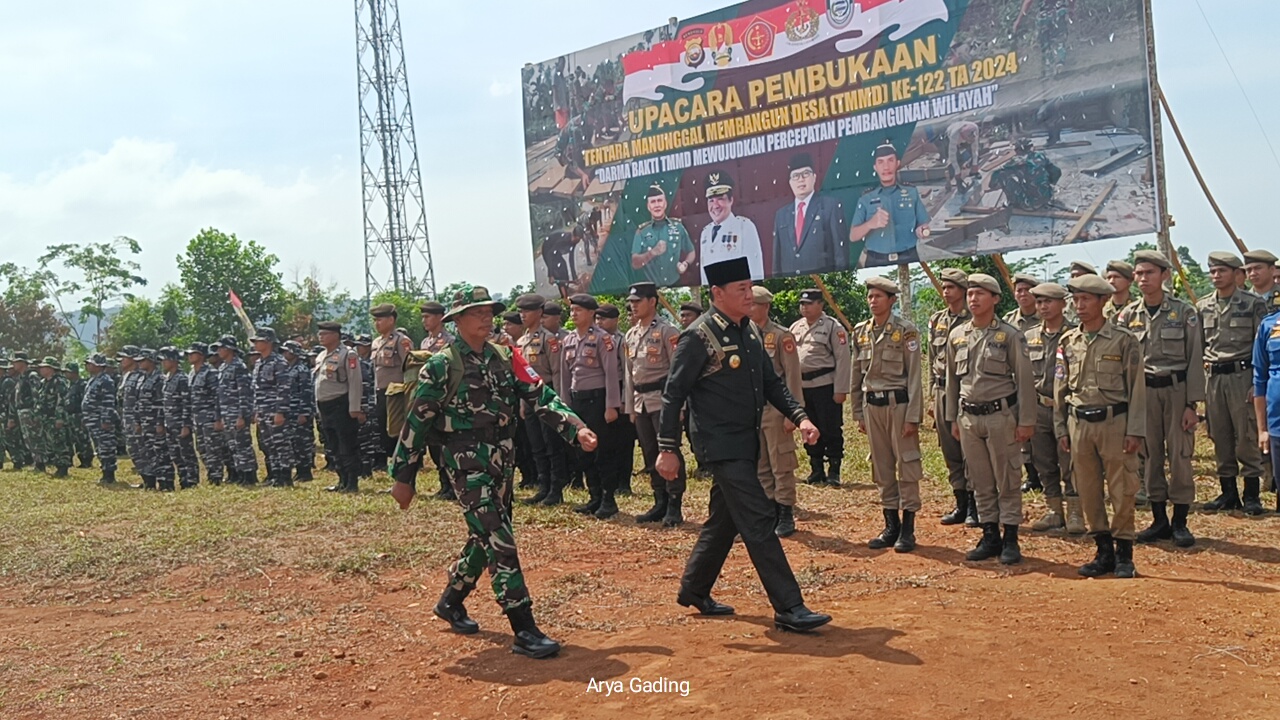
[154, 119]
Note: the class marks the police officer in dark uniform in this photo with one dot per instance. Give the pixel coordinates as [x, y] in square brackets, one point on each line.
[721, 369]
[890, 217]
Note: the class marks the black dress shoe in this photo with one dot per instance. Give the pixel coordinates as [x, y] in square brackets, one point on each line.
[705, 605]
[800, 619]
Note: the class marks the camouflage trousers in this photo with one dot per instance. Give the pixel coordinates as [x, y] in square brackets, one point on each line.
[159, 464]
[139, 451]
[481, 476]
[239, 447]
[14, 444]
[32, 434]
[55, 443]
[81, 444]
[104, 442]
[370, 447]
[181, 454]
[303, 439]
[212, 446]
[277, 446]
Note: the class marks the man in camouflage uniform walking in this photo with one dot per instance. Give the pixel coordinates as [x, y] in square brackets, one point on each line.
[79, 436]
[178, 421]
[235, 412]
[149, 418]
[51, 406]
[211, 443]
[272, 382]
[98, 413]
[474, 416]
[302, 402]
[24, 403]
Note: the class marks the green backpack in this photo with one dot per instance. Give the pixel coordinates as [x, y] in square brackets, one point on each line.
[400, 395]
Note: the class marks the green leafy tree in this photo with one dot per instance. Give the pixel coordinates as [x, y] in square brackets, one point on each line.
[407, 312]
[28, 321]
[309, 301]
[846, 292]
[215, 263]
[1201, 285]
[105, 273]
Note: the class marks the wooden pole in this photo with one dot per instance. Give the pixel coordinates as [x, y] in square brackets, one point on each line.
[932, 278]
[1177, 264]
[1164, 102]
[1004, 270]
[831, 303]
[1165, 220]
[904, 284]
[667, 304]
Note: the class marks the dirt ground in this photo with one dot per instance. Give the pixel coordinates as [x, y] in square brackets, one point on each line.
[920, 635]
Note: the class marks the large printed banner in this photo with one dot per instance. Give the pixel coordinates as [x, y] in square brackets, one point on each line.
[822, 135]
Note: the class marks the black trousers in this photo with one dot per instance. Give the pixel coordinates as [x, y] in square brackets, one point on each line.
[624, 455]
[341, 433]
[647, 426]
[828, 415]
[739, 506]
[600, 466]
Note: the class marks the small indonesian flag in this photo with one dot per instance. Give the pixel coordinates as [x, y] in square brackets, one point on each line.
[240, 313]
[235, 299]
[522, 369]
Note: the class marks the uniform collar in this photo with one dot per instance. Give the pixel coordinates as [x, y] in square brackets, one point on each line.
[725, 322]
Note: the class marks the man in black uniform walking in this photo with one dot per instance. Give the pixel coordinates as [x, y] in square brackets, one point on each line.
[721, 369]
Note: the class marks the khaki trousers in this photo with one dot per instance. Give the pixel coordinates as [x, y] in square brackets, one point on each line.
[895, 460]
[1053, 465]
[1166, 440]
[1229, 411]
[1098, 457]
[776, 467]
[993, 463]
[951, 451]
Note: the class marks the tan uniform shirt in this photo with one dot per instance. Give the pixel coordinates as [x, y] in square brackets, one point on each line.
[590, 362]
[436, 343]
[541, 349]
[780, 346]
[1096, 373]
[648, 361]
[1022, 322]
[887, 358]
[337, 373]
[1171, 341]
[1111, 308]
[989, 364]
[824, 345]
[1042, 348]
[387, 354]
[1230, 325]
[941, 324]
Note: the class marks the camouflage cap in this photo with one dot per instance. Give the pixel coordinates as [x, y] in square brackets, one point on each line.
[472, 296]
[169, 352]
[198, 348]
[292, 347]
[97, 360]
[128, 351]
[264, 334]
[50, 362]
[72, 367]
[4, 363]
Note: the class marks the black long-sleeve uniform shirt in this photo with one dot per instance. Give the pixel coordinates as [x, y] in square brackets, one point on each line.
[721, 369]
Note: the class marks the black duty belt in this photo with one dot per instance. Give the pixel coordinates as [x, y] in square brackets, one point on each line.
[587, 394]
[649, 387]
[1098, 414]
[940, 381]
[1229, 367]
[815, 374]
[988, 408]
[1164, 381]
[882, 398]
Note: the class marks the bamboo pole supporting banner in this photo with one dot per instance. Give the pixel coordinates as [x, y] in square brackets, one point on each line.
[932, 278]
[1004, 270]
[831, 302]
[1195, 169]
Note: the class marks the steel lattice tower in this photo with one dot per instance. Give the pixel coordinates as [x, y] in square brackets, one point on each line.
[395, 222]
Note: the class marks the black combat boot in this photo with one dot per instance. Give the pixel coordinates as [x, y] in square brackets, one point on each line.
[60, 472]
[907, 536]
[530, 641]
[108, 477]
[816, 476]
[957, 516]
[446, 489]
[38, 467]
[556, 496]
[786, 524]
[1033, 479]
[1228, 500]
[451, 610]
[304, 474]
[889, 535]
[352, 484]
[544, 489]
[659, 509]
[593, 502]
[608, 506]
[149, 482]
[989, 546]
[675, 510]
[165, 485]
[1182, 536]
[1010, 554]
[1124, 559]
[1160, 529]
[1252, 499]
[1104, 561]
[85, 464]
[972, 519]
[284, 477]
[833, 474]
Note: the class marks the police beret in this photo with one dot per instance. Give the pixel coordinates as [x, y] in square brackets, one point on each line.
[608, 310]
[986, 282]
[1091, 284]
[431, 307]
[801, 160]
[1260, 256]
[719, 183]
[761, 295]
[1153, 257]
[264, 334]
[383, 310]
[1050, 290]
[329, 326]
[811, 295]
[512, 317]
[655, 190]
[553, 308]
[1083, 267]
[724, 272]
[1225, 259]
[642, 290]
[883, 284]
[530, 301]
[1031, 280]
[886, 149]
[692, 307]
[1122, 267]
[584, 300]
[955, 276]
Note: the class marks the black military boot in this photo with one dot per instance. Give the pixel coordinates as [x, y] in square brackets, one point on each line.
[1229, 499]
[1124, 559]
[304, 474]
[1033, 479]
[889, 535]
[38, 467]
[149, 482]
[972, 519]
[989, 546]
[816, 475]
[833, 473]
[675, 510]
[85, 464]
[786, 523]
[1252, 499]
[451, 610]
[284, 477]
[593, 503]
[1010, 554]
[556, 496]
[659, 509]
[544, 489]
[108, 477]
[608, 506]
[1182, 536]
[1160, 528]
[907, 536]
[446, 489]
[60, 472]
[352, 484]
[166, 485]
[957, 516]
[1104, 561]
[530, 641]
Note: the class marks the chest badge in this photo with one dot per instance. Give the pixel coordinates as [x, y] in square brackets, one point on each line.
[735, 362]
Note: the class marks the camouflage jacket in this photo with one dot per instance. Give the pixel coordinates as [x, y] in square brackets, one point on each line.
[204, 395]
[24, 390]
[75, 396]
[370, 402]
[235, 391]
[177, 401]
[129, 384]
[99, 403]
[271, 383]
[149, 410]
[51, 398]
[7, 409]
[302, 392]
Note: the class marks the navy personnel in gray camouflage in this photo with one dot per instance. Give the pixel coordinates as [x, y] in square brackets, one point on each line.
[210, 442]
[235, 411]
[149, 416]
[272, 383]
[177, 419]
[302, 401]
[98, 412]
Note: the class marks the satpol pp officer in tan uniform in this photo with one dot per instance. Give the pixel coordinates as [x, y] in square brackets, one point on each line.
[1172, 344]
[541, 349]
[1053, 464]
[1024, 317]
[955, 283]
[777, 465]
[888, 406]
[1100, 417]
[991, 398]
[388, 353]
[1230, 319]
[824, 375]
